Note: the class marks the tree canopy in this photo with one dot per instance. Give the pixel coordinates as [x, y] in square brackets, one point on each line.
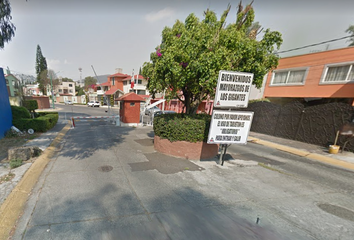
[350, 30]
[90, 81]
[47, 78]
[187, 62]
[7, 28]
[65, 79]
[41, 67]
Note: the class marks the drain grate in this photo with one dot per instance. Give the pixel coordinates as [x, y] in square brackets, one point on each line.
[337, 211]
[105, 168]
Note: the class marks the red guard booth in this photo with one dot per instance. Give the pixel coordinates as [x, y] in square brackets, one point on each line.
[130, 109]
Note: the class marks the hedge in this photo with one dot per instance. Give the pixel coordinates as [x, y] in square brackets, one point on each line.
[40, 124]
[45, 113]
[20, 112]
[182, 127]
[31, 105]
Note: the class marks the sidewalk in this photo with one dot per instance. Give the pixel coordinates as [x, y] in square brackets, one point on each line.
[341, 159]
[43, 142]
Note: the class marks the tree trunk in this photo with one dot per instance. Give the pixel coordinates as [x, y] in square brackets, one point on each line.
[191, 107]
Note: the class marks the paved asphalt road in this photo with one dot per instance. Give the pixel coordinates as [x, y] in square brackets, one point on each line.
[107, 182]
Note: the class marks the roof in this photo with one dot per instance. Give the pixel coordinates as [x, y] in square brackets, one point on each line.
[139, 77]
[130, 97]
[145, 96]
[112, 91]
[105, 84]
[119, 75]
[65, 94]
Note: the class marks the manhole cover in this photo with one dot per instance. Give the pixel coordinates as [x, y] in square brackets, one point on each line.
[337, 211]
[105, 168]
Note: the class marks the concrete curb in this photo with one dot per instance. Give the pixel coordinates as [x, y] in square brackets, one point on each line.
[302, 153]
[14, 204]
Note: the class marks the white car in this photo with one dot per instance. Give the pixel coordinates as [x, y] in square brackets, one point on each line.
[68, 102]
[93, 104]
[151, 111]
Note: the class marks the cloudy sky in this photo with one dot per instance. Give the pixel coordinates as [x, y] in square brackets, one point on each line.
[110, 34]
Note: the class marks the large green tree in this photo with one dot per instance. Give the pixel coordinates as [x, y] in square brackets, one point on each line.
[350, 30]
[41, 67]
[187, 62]
[90, 81]
[7, 28]
[47, 79]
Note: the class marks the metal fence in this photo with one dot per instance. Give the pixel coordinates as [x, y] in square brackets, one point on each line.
[315, 125]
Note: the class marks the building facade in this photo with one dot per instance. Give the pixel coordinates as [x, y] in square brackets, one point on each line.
[322, 76]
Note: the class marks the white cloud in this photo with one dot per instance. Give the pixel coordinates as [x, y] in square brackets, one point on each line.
[156, 16]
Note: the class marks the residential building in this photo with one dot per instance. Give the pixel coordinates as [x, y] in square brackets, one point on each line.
[30, 90]
[13, 84]
[139, 86]
[313, 78]
[119, 84]
[67, 88]
[113, 87]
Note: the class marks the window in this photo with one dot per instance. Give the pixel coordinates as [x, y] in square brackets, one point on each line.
[70, 91]
[70, 85]
[125, 83]
[341, 73]
[132, 104]
[60, 90]
[289, 77]
[112, 81]
[141, 92]
[140, 81]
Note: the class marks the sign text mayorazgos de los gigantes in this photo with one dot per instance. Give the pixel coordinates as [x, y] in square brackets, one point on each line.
[233, 89]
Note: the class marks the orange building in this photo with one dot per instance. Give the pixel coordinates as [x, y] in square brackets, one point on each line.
[322, 76]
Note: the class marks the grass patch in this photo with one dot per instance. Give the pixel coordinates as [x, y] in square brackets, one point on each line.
[14, 163]
[7, 178]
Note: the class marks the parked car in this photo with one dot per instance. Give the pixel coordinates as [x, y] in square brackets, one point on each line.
[68, 102]
[152, 111]
[163, 112]
[93, 104]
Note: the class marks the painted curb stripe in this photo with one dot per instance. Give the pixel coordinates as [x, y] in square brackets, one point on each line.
[312, 156]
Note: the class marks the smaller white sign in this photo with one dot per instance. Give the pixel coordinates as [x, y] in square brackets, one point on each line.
[229, 127]
[233, 89]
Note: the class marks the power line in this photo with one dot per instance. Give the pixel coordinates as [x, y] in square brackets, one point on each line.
[316, 44]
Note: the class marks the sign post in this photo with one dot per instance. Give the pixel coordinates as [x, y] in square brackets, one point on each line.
[227, 126]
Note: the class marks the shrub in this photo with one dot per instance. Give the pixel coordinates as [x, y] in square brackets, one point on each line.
[14, 163]
[31, 105]
[40, 124]
[182, 127]
[112, 100]
[45, 113]
[19, 112]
